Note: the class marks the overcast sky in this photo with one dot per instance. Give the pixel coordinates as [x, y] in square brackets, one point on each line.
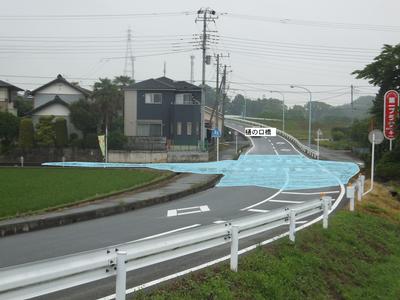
[272, 44]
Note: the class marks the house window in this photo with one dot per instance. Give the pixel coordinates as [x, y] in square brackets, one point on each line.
[149, 128]
[178, 128]
[189, 128]
[184, 99]
[3, 95]
[153, 98]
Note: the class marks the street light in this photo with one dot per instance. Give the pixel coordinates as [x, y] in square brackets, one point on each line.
[309, 112]
[283, 108]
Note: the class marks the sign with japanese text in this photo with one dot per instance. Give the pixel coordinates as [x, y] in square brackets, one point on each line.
[260, 131]
[390, 114]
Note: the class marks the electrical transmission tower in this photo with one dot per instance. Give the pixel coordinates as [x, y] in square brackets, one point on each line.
[204, 15]
[129, 58]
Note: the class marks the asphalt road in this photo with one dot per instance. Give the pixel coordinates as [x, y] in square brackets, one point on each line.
[214, 205]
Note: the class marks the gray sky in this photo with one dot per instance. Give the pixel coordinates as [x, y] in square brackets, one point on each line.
[315, 43]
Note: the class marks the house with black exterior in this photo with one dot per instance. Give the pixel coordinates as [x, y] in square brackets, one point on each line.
[165, 108]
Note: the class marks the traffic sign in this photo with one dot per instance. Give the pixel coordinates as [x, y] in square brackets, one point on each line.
[215, 133]
[390, 114]
[376, 136]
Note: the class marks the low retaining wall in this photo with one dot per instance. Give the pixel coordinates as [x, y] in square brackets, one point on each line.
[156, 156]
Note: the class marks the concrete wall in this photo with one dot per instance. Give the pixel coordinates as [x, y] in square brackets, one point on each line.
[136, 156]
[156, 157]
[130, 113]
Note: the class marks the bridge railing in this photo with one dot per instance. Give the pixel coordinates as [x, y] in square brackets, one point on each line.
[305, 149]
[43, 277]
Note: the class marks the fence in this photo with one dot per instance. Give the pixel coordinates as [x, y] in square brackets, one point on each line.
[307, 150]
[43, 277]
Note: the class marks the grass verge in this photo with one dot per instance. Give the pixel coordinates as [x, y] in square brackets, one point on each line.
[28, 190]
[358, 257]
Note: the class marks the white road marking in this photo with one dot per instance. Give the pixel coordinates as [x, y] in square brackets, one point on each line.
[187, 211]
[286, 150]
[285, 201]
[313, 193]
[219, 222]
[259, 210]
[216, 261]
[281, 143]
[167, 232]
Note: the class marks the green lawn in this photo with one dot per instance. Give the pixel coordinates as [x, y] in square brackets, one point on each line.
[358, 257]
[26, 190]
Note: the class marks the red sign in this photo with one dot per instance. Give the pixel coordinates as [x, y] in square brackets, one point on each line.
[390, 114]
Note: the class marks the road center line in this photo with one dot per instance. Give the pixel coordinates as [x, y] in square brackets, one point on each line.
[311, 193]
[167, 232]
[259, 210]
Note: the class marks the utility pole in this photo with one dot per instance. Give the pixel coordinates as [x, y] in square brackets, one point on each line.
[217, 92]
[129, 56]
[205, 15]
[352, 104]
[192, 69]
[223, 99]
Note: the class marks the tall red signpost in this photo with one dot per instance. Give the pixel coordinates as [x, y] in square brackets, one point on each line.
[390, 115]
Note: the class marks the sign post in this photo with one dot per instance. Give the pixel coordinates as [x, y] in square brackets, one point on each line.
[390, 115]
[215, 133]
[375, 137]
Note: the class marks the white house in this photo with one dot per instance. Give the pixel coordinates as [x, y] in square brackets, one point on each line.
[54, 98]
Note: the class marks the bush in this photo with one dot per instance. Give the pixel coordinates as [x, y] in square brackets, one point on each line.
[8, 130]
[91, 141]
[45, 135]
[26, 134]
[61, 132]
[116, 140]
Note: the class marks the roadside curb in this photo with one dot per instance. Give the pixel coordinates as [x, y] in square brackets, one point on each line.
[38, 222]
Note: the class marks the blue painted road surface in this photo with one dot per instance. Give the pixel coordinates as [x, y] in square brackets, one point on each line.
[283, 172]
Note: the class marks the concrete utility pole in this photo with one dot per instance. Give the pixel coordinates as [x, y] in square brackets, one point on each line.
[205, 15]
[223, 99]
[192, 69]
[217, 91]
[352, 104]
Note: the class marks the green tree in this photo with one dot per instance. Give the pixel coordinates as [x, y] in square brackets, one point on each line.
[108, 101]
[23, 106]
[84, 117]
[45, 135]
[8, 130]
[26, 134]
[384, 72]
[123, 81]
[61, 132]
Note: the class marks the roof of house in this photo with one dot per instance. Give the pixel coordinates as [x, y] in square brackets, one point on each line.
[10, 86]
[56, 100]
[61, 79]
[164, 83]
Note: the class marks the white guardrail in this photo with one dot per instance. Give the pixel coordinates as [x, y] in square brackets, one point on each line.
[307, 150]
[52, 275]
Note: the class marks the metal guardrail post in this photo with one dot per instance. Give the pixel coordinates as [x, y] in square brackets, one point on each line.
[359, 190]
[292, 225]
[120, 288]
[234, 247]
[350, 195]
[362, 180]
[326, 203]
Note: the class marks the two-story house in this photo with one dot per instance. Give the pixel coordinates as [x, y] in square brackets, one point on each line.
[54, 98]
[163, 107]
[8, 94]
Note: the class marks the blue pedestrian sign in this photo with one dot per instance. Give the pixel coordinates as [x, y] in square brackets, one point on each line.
[215, 133]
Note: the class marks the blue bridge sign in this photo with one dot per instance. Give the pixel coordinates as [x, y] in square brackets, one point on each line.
[215, 133]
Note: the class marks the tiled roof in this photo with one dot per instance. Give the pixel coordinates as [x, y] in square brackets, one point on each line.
[7, 85]
[164, 83]
[61, 79]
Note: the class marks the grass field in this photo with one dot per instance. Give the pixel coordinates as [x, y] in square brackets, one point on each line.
[26, 190]
[358, 257]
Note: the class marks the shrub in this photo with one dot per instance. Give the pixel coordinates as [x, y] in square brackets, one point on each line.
[8, 130]
[26, 134]
[91, 141]
[45, 134]
[116, 140]
[61, 132]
